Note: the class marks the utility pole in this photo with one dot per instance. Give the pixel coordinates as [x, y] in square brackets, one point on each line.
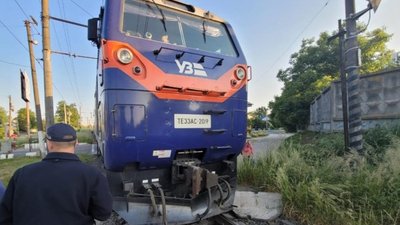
[10, 109]
[48, 82]
[65, 112]
[35, 86]
[352, 63]
[343, 82]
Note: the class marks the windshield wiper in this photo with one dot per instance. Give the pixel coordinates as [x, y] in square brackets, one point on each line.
[206, 15]
[163, 16]
[204, 31]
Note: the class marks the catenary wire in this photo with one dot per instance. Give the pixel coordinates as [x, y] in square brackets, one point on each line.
[26, 15]
[297, 37]
[15, 64]
[61, 7]
[83, 9]
[58, 42]
[14, 36]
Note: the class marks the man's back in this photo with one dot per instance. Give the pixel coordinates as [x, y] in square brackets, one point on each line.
[58, 190]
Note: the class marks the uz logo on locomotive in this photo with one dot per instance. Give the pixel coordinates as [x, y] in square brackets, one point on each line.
[191, 68]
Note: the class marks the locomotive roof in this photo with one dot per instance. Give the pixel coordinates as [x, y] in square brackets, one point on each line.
[187, 8]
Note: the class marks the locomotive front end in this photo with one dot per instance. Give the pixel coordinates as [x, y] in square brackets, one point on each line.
[171, 109]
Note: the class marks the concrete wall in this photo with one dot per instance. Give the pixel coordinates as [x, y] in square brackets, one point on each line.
[380, 103]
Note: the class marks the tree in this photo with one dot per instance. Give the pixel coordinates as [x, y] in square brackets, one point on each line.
[257, 118]
[3, 122]
[21, 119]
[72, 114]
[375, 54]
[313, 68]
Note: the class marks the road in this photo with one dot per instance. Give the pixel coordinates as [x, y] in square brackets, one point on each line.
[262, 145]
[82, 148]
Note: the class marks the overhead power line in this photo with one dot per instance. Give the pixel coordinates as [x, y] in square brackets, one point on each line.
[83, 9]
[26, 15]
[298, 36]
[74, 55]
[15, 64]
[61, 7]
[15, 37]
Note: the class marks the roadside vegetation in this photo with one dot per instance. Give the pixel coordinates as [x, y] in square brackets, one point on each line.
[9, 166]
[84, 136]
[314, 67]
[321, 183]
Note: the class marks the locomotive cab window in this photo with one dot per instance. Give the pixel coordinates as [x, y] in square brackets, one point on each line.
[158, 23]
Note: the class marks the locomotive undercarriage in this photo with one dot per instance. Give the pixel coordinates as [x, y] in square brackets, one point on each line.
[184, 193]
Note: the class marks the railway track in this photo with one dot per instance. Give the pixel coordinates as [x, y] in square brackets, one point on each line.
[223, 219]
[231, 219]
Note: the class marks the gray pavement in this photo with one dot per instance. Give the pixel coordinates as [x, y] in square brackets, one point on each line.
[262, 145]
[82, 148]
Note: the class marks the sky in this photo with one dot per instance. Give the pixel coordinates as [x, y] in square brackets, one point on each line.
[269, 31]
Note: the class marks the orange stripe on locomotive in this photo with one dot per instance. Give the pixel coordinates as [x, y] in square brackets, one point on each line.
[172, 86]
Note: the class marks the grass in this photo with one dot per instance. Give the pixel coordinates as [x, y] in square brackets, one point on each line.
[323, 184]
[9, 166]
[85, 136]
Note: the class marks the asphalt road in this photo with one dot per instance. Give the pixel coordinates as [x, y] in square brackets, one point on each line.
[262, 145]
[82, 148]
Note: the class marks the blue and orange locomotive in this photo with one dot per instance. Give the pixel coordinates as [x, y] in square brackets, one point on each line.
[171, 109]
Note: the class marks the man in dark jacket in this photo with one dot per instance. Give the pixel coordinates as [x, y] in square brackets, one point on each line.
[58, 190]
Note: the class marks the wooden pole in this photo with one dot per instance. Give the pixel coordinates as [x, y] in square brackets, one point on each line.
[48, 82]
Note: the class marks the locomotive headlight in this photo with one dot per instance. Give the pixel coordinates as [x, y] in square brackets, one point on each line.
[240, 73]
[124, 55]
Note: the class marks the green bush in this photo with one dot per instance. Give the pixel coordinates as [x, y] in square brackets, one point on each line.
[322, 184]
[395, 129]
[85, 136]
[379, 137]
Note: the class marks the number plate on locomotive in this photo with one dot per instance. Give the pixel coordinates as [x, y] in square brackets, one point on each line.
[192, 121]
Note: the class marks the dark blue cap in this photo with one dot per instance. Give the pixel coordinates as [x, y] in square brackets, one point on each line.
[61, 132]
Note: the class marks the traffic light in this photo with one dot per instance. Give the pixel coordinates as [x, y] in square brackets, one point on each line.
[25, 88]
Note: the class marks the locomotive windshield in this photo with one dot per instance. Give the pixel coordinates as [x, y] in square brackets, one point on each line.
[146, 20]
